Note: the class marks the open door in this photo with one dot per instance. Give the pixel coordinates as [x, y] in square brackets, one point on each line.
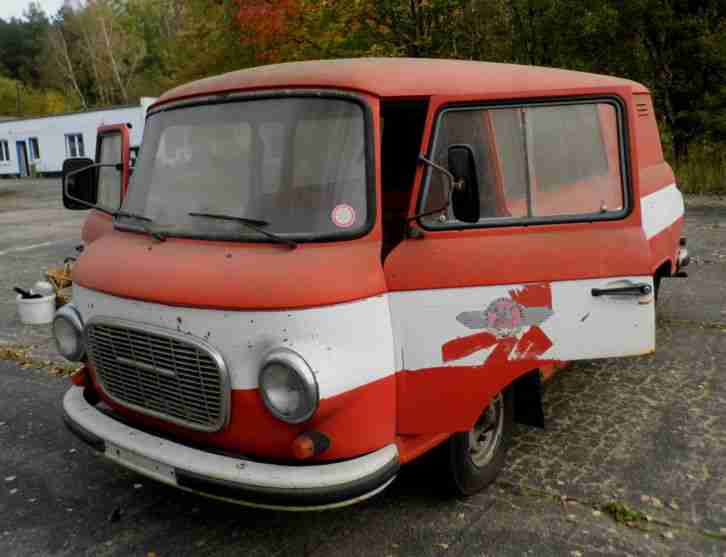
[112, 148]
[474, 306]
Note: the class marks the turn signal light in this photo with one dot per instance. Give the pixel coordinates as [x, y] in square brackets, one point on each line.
[80, 377]
[308, 445]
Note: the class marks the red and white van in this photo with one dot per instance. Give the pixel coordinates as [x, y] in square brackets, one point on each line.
[319, 271]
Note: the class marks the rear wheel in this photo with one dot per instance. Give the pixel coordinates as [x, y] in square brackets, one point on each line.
[473, 458]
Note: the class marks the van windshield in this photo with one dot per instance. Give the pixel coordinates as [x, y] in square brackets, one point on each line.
[297, 165]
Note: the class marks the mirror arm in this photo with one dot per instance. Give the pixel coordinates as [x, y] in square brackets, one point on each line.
[454, 185]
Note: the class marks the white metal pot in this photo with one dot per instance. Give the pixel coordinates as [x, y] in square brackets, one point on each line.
[36, 311]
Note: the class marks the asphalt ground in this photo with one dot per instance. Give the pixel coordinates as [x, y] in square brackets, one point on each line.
[633, 460]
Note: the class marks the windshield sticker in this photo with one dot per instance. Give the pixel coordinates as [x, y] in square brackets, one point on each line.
[343, 216]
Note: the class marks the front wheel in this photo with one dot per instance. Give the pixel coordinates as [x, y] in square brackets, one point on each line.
[472, 459]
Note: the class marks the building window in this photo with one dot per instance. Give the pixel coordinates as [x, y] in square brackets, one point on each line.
[34, 149]
[4, 151]
[74, 145]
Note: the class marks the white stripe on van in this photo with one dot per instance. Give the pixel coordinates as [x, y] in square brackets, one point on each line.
[661, 209]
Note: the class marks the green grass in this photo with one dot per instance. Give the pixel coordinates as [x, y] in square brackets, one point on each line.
[622, 514]
[703, 171]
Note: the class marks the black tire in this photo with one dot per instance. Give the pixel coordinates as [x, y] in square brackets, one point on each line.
[464, 477]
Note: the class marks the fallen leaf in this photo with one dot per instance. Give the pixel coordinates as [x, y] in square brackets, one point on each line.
[10, 478]
[668, 535]
[13, 491]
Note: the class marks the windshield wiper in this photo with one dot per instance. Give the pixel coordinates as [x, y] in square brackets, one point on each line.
[153, 233]
[254, 224]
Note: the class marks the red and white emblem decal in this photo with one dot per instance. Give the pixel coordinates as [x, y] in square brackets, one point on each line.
[343, 216]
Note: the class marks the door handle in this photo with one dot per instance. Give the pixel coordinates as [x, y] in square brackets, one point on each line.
[634, 290]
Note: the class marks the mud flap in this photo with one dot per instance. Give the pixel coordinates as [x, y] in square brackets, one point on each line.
[528, 408]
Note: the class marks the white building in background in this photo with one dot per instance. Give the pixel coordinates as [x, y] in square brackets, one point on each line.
[40, 145]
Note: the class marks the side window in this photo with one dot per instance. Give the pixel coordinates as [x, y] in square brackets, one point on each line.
[4, 151]
[74, 145]
[468, 127]
[535, 162]
[109, 177]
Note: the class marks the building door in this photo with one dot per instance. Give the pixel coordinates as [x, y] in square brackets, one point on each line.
[22, 159]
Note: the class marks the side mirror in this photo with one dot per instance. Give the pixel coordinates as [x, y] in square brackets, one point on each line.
[80, 184]
[465, 195]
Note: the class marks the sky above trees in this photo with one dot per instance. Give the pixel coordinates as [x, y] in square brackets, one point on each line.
[16, 8]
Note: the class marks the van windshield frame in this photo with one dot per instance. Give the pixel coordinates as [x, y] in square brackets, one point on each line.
[240, 234]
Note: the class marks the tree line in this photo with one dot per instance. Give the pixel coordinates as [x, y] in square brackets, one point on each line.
[101, 52]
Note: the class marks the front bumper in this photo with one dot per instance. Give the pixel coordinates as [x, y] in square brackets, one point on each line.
[297, 488]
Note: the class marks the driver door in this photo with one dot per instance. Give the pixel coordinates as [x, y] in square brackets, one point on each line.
[112, 147]
[556, 269]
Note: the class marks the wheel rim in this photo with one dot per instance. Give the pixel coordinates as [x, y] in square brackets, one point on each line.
[486, 434]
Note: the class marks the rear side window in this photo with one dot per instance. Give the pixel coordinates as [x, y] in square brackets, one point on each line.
[534, 163]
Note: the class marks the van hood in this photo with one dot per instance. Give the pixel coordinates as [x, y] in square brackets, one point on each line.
[229, 275]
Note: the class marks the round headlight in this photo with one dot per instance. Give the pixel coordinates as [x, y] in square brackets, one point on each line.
[288, 386]
[68, 333]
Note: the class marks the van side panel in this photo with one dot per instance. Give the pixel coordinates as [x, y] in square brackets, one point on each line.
[661, 202]
[646, 132]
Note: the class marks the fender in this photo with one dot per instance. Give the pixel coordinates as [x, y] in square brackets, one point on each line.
[96, 225]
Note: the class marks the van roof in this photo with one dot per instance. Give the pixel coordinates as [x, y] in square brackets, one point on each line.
[401, 77]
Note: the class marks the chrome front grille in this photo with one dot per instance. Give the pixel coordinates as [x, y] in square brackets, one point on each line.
[160, 373]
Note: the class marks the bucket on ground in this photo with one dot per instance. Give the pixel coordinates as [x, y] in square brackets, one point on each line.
[36, 311]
